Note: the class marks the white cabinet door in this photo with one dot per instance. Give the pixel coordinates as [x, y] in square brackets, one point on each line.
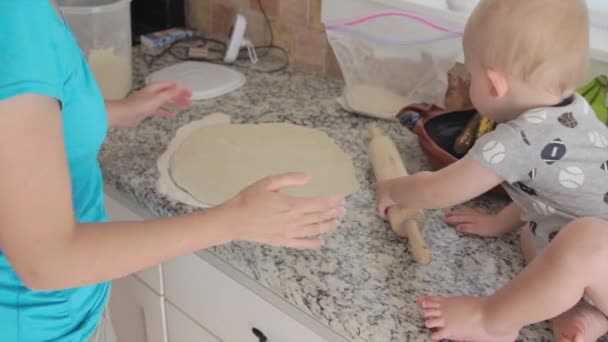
[228, 309]
[137, 312]
[118, 212]
[153, 307]
[180, 328]
[153, 278]
[127, 316]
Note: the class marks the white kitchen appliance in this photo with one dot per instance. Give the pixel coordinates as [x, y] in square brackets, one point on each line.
[239, 41]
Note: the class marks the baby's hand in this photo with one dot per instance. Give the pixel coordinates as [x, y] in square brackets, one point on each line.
[383, 198]
[474, 221]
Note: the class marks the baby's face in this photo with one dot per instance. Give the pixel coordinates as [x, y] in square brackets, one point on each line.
[482, 93]
[480, 90]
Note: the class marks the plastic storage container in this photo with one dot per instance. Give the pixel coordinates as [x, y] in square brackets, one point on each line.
[103, 31]
[408, 46]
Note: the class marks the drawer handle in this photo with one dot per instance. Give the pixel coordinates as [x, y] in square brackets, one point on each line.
[259, 335]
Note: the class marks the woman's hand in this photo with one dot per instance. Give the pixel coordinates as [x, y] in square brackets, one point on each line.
[262, 214]
[384, 201]
[148, 102]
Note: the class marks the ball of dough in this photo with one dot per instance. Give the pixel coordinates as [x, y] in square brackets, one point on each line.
[374, 100]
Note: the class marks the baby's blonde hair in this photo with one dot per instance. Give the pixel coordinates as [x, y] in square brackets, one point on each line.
[544, 43]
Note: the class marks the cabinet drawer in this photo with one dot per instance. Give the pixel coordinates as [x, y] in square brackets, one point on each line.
[116, 211]
[225, 307]
[182, 329]
[153, 278]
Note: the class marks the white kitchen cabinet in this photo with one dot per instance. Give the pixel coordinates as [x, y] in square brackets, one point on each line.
[127, 316]
[136, 303]
[118, 212]
[228, 309]
[153, 278]
[153, 307]
[137, 312]
[180, 328]
[200, 298]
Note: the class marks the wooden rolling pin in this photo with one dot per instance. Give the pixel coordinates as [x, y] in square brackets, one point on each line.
[387, 164]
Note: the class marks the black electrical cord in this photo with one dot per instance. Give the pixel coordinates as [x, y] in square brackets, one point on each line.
[181, 52]
[269, 25]
[271, 45]
[284, 66]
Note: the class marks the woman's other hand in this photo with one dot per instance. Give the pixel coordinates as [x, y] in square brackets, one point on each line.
[148, 101]
[261, 213]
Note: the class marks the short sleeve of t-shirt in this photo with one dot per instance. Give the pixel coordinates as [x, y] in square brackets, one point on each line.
[506, 151]
[27, 53]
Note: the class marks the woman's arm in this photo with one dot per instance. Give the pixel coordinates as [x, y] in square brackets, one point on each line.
[147, 101]
[49, 250]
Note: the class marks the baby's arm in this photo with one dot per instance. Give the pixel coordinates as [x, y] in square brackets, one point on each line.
[455, 184]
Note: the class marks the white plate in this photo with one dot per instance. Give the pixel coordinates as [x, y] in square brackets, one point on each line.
[206, 80]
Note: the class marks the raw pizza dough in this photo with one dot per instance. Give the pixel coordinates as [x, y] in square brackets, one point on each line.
[216, 162]
[372, 100]
[165, 184]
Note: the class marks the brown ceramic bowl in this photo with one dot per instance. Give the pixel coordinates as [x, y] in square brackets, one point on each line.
[437, 131]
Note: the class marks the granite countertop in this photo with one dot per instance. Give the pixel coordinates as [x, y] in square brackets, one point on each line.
[364, 283]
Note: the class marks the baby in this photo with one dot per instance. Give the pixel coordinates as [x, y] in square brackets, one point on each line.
[550, 153]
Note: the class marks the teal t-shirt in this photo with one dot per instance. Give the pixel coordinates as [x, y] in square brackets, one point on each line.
[39, 55]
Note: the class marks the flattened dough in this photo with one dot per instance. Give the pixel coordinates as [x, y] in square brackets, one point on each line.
[216, 162]
[165, 184]
[372, 100]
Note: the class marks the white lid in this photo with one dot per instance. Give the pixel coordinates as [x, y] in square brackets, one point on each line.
[206, 80]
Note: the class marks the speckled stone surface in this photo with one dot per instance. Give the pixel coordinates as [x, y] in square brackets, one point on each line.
[364, 283]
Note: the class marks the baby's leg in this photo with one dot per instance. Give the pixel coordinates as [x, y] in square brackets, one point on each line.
[583, 322]
[554, 282]
[527, 244]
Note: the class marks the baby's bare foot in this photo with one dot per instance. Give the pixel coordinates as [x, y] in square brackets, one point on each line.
[474, 221]
[582, 323]
[460, 319]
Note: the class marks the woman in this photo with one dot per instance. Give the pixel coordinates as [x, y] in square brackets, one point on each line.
[56, 252]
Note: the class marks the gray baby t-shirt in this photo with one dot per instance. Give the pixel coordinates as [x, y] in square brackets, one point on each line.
[554, 161]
